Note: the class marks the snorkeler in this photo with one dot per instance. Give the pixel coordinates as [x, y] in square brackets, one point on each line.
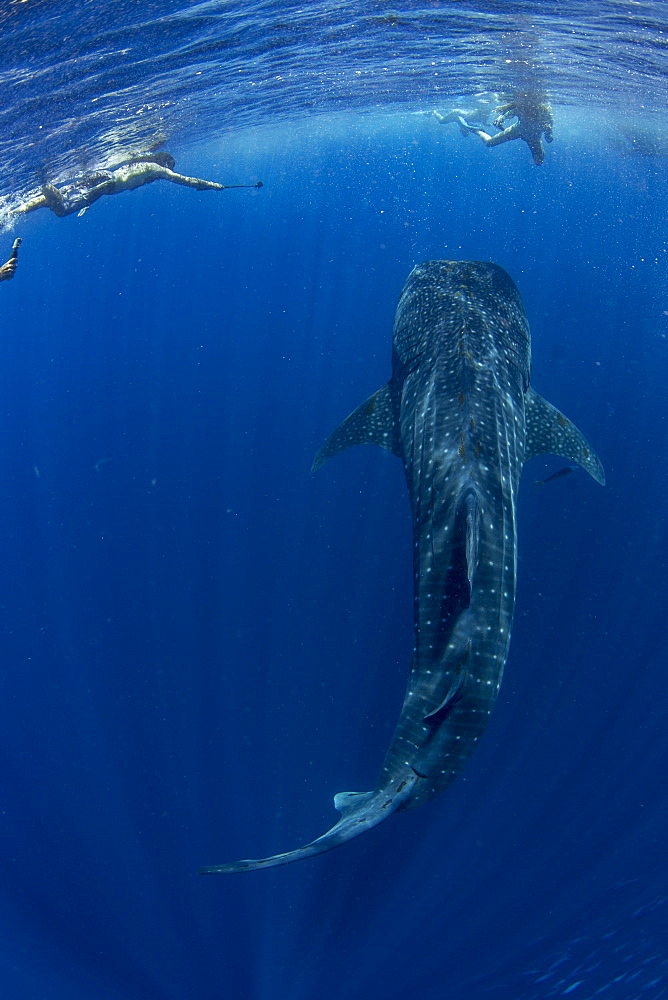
[534, 120]
[79, 194]
[8, 269]
[476, 116]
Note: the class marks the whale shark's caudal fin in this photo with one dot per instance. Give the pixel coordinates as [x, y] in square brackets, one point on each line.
[359, 812]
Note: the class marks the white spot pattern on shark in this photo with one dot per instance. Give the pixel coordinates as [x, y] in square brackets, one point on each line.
[460, 413]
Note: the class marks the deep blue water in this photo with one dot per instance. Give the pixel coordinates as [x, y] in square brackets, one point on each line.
[202, 642]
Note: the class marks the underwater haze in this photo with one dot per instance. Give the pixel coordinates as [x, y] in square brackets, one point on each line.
[202, 641]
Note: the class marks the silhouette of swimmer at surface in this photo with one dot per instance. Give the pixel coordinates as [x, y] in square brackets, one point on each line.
[534, 120]
[477, 115]
[9, 267]
[78, 195]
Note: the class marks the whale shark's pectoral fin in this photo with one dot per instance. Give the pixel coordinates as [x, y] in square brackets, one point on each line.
[374, 422]
[549, 432]
[359, 812]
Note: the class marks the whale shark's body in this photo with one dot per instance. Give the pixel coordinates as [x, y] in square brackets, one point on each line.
[460, 413]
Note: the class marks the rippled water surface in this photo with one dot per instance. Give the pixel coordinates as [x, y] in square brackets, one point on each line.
[80, 80]
[201, 642]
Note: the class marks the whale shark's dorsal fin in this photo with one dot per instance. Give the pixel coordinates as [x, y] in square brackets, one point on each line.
[472, 532]
[549, 432]
[374, 422]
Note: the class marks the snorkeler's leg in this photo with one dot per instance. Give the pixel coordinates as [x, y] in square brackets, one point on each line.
[464, 126]
[54, 200]
[537, 151]
[451, 116]
[8, 269]
[477, 131]
[508, 134]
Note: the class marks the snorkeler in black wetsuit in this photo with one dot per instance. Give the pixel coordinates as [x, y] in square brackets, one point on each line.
[534, 120]
[79, 194]
[8, 269]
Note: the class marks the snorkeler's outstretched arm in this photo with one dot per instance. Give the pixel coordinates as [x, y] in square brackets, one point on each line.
[8, 269]
[39, 201]
[137, 173]
[198, 183]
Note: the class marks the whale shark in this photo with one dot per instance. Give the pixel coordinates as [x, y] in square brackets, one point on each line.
[461, 414]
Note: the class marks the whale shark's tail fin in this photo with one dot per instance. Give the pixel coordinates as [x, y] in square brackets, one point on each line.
[359, 812]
